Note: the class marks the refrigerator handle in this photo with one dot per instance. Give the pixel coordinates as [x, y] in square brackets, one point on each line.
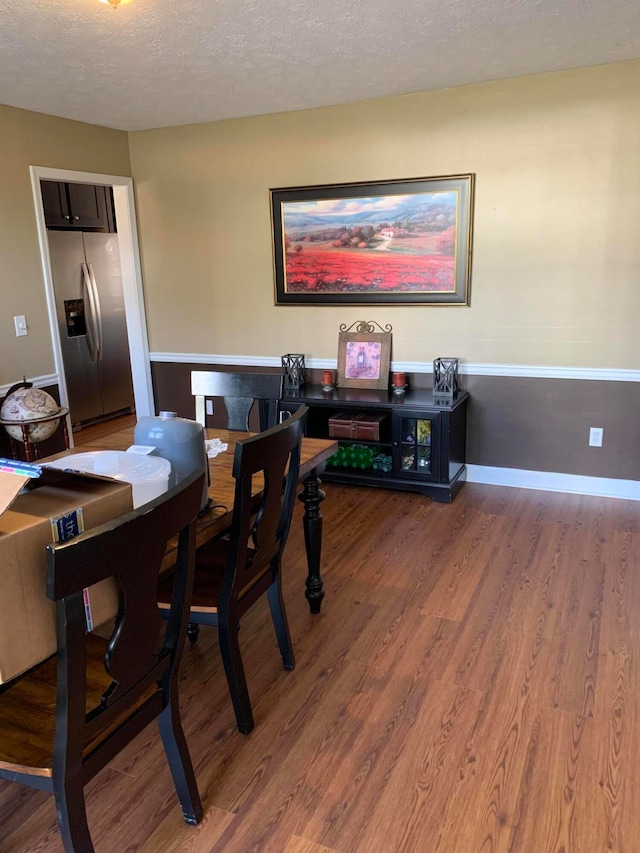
[96, 296]
[91, 336]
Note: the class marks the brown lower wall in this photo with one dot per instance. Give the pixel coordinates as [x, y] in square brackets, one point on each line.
[543, 425]
[172, 390]
[527, 423]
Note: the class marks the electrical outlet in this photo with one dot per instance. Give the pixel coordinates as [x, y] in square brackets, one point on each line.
[595, 436]
[209, 406]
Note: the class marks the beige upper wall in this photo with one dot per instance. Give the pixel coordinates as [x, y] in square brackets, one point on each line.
[556, 260]
[31, 139]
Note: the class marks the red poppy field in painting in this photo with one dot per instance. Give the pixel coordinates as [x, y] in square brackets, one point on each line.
[317, 270]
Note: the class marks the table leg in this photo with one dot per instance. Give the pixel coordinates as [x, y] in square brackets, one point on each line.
[312, 496]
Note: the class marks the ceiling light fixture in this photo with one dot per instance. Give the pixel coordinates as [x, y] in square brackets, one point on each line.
[116, 3]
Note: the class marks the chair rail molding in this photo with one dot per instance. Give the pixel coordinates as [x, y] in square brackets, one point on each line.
[602, 374]
[39, 381]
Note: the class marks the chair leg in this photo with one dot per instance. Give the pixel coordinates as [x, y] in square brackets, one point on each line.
[230, 650]
[72, 815]
[175, 747]
[279, 616]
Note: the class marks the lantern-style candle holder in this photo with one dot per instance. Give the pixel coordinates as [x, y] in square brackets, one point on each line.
[445, 378]
[293, 371]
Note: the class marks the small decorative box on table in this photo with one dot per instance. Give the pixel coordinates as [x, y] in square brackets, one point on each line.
[356, 427]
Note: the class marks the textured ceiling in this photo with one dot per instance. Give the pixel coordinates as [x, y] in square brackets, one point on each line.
[157, 63]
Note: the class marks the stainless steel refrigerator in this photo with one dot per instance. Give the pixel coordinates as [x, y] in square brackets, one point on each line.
[91, 318]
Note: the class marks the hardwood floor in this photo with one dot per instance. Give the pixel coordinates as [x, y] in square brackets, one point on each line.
[472, 684]
[95, 431]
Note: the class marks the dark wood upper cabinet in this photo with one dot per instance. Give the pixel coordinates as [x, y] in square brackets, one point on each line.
[55, 203]
[79, 206]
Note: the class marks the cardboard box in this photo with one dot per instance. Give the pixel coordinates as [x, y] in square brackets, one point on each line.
[28, 623]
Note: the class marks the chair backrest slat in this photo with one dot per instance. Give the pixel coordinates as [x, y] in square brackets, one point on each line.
[274, 454]
[131, 550]
[239, 391]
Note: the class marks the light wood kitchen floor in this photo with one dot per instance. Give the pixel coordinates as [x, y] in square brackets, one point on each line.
[95, 431]
[472, 684]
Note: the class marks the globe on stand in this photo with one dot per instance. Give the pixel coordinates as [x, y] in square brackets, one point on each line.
[30, 415]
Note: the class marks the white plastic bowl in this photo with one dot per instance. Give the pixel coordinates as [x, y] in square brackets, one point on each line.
[148, 475]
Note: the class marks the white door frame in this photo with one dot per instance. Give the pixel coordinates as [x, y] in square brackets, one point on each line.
[131, 278]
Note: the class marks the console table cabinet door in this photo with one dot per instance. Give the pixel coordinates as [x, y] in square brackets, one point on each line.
[416, 445]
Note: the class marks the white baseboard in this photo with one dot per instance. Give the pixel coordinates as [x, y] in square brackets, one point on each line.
[549, 481]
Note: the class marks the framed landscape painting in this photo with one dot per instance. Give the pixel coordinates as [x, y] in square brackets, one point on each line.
[394, 242]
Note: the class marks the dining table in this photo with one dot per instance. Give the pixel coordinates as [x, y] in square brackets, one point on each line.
[217, 520]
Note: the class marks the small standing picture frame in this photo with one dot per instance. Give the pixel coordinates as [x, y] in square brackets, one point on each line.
[364, 355]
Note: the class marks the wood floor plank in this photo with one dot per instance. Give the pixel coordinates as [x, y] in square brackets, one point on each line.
[390, 640]
[462, 570]
[620, 631]
[616, 797]
[481, 806]
[472, 652]
[42, 835]
[388, 708]
[172, 836]
[551, 572]
[291, 715]
[576, 640]
[511, 725]
[302, 845]
[556, 787]
[414, 791]
[18, 807]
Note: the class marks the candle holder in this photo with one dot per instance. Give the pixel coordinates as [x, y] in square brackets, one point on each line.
[327, 380]
[445, 378]
[398, 382]
[293, 371]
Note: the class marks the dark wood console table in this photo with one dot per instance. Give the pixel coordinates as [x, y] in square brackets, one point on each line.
[421, 445]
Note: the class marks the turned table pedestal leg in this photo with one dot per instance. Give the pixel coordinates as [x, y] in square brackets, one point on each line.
[312, 496]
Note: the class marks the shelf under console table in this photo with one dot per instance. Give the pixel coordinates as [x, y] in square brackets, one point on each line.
[410, 441]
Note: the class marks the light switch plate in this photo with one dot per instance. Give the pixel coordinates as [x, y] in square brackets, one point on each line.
[20, 323]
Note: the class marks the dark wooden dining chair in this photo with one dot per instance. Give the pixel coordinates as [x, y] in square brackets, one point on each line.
[63, 721]
[232, 573]
[239, 391]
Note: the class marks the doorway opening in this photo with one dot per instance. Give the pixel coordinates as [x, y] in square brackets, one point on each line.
[127, 239]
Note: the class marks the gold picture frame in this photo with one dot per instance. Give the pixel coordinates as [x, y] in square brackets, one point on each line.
[364, 356]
